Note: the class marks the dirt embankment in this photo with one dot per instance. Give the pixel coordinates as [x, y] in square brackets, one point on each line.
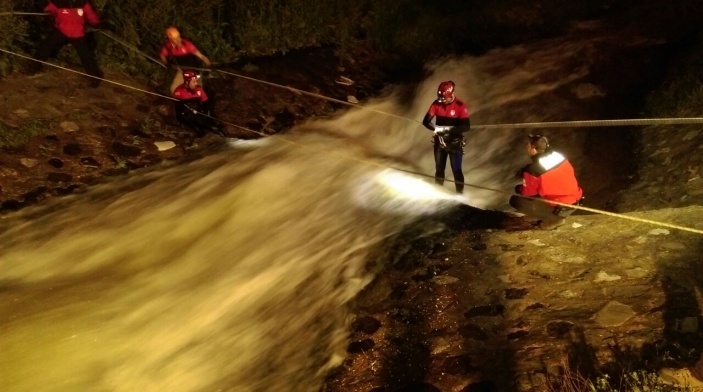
[58, 136]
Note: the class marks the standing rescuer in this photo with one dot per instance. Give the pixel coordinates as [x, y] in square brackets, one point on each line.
[70, 17]
[452, 121]
[550, 177]
[182, 53]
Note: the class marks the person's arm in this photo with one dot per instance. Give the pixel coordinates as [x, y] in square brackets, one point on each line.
[530, 184]
[50, 8]
[203, 58]
[427, 122]
[194, 50]
[90, 15]
[163, 55]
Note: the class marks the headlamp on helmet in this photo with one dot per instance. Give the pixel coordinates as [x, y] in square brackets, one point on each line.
[445, 92]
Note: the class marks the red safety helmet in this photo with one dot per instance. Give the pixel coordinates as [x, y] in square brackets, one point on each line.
[445, 92]
[189, 75]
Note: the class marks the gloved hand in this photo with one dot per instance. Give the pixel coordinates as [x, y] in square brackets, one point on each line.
[440, 131]
[518, 189]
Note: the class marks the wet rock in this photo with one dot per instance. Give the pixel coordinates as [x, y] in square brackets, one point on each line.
[517, 335]
[360, 346]
[419, 387]
[659, 232]
[90, 162]
[29, 162]
[516, 293]
[151, 159]
[474, 332]
[63, 191]
[164, 146]
[686, 325]
[481, 386]
[109, 132]
[511, 247]
[457, 365]
[11, 205]
[671, 245]
[613, 314]
[72, 149]
[135, 165]
[571, 294]
[535, 306]
[485, 310]
[126, 150]
[558, 329]
[637, 273]
[406, 316]
[106, 105]
[139, 133]
[479, 247]
[444, 280]
[367, 325]
[21, 113]
[35, 195]
[59, 177]
[56, 163]
[163, 110]
[352, 99]
[115, 171]
[69, 126]
[605, 277]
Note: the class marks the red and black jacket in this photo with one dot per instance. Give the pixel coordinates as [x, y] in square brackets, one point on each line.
[70, 16]
[454, 115]
[551, 177]
[182, 55]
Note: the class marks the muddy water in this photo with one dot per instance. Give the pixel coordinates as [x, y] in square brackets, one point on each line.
[231, 272]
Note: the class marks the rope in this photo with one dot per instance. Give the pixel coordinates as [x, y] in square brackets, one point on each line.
[23, 13]
[373, 163]
[596, 123]
[130, 47]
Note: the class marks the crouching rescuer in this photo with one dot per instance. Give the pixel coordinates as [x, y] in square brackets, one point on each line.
[550, 177]
[193, 108]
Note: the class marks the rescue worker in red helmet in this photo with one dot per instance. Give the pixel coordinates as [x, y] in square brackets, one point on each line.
[193, 108]
[452, 121]
[182, 53]
[70, 17]
[550, 177]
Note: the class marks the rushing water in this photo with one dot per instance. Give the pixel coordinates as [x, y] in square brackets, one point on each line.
[232, 272]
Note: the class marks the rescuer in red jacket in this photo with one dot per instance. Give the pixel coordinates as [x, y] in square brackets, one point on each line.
[182, 53]
[550, 177]
[194, 108]
[70, 17]
[452, 121]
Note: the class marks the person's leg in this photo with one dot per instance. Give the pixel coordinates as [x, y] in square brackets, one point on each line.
[48, 49]
[88, 60]
[455, 158]
[440, 163]
[534, 208]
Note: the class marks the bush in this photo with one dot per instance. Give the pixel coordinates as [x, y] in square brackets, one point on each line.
[14, 32]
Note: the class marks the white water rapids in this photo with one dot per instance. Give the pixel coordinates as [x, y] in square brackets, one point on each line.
[231, 273]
